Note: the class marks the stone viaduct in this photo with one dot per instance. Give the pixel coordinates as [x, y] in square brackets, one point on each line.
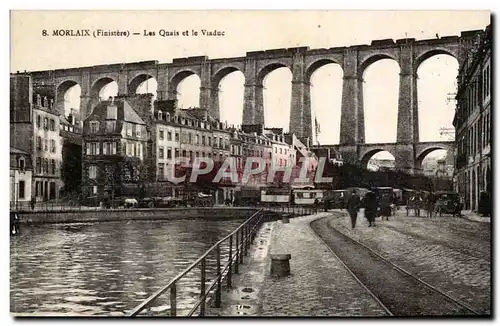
[302, 62]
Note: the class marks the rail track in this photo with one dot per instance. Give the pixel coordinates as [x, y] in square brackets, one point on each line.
[398, 291]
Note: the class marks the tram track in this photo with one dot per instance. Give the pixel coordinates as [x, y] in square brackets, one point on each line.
[398, 291]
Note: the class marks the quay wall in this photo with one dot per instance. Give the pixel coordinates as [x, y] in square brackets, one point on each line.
[106, 215]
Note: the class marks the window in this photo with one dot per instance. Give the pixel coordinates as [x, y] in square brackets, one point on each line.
[203, 140]
[169, 135]
[92, 148]
[128, 128]
[92, 172]
[45, 165]
[221, 143]
[139, 150]
[52, 146]
[38, 120]
[21, 189]
[53, 167]
[160, 115]
[46, 123]
[162, 135]
[161, 171]
[39, 143]
[169, 152]
[45, 144]
[94, 126]
[176, 153]
[87, 148]
[197, 139]
[112, 112]
[176, 136]
[110, 126]
[21, 163]
[209, 139]
[137, 130]
[161, 153]
[190, 138]
[94, 190]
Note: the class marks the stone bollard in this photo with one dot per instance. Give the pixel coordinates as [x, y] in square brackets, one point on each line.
[285, 219]
[280, 265]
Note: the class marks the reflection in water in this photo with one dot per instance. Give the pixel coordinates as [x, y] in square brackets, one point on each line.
[108, 268]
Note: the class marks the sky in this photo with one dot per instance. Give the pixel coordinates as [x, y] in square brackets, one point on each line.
[266, 30]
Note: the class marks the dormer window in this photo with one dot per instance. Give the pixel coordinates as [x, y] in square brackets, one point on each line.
[94, 126]
[128, 127]
[167, 116]
[112, 112]
[160, 115]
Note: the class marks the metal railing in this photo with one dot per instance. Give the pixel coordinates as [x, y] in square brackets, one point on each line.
[237, 244]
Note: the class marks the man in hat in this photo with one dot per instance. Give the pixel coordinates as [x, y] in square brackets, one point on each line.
[353, 205]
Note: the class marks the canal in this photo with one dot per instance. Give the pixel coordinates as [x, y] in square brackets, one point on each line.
[106, 269]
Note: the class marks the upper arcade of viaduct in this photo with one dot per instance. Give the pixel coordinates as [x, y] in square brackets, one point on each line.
[302, 62]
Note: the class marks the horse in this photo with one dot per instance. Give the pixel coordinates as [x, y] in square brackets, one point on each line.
[414, 203]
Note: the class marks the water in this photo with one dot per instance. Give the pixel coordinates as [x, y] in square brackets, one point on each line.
[106, 269]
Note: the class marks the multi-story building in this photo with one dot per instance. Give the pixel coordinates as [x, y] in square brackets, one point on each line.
[114, 143]
[473, 123]
[20, 176]
[35, 129]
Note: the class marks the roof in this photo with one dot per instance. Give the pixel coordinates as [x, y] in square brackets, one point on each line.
[130, 115]
[14, 150]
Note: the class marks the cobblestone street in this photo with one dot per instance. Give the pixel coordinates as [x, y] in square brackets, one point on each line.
[319, 284]
[452, 254]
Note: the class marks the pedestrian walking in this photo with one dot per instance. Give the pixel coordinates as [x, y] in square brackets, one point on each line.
[371, 207]
[353, 205]
[431, 203]
[33, 202]
[484, 204]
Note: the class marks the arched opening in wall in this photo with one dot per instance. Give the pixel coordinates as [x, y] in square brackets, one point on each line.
[188, 92]
[72, 101]
[68, 100]
[436, 163]
[108, 90]
[144, 84]
[380, 101]
[326, 98]
[436, 90]
[277, 95]
[230, 97]
[379, 160]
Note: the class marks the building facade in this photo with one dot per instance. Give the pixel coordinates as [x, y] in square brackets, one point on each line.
[114, 143]
[35, 129]
[20, 176]
[473, 124]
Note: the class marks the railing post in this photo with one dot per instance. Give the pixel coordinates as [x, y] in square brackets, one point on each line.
[242, 245]
[218, 291]
[173, 300]
[245, 242]
[230, 270]
[202, 288]
[237, 261]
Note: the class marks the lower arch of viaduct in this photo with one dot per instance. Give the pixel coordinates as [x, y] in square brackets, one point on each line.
[301, 61]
